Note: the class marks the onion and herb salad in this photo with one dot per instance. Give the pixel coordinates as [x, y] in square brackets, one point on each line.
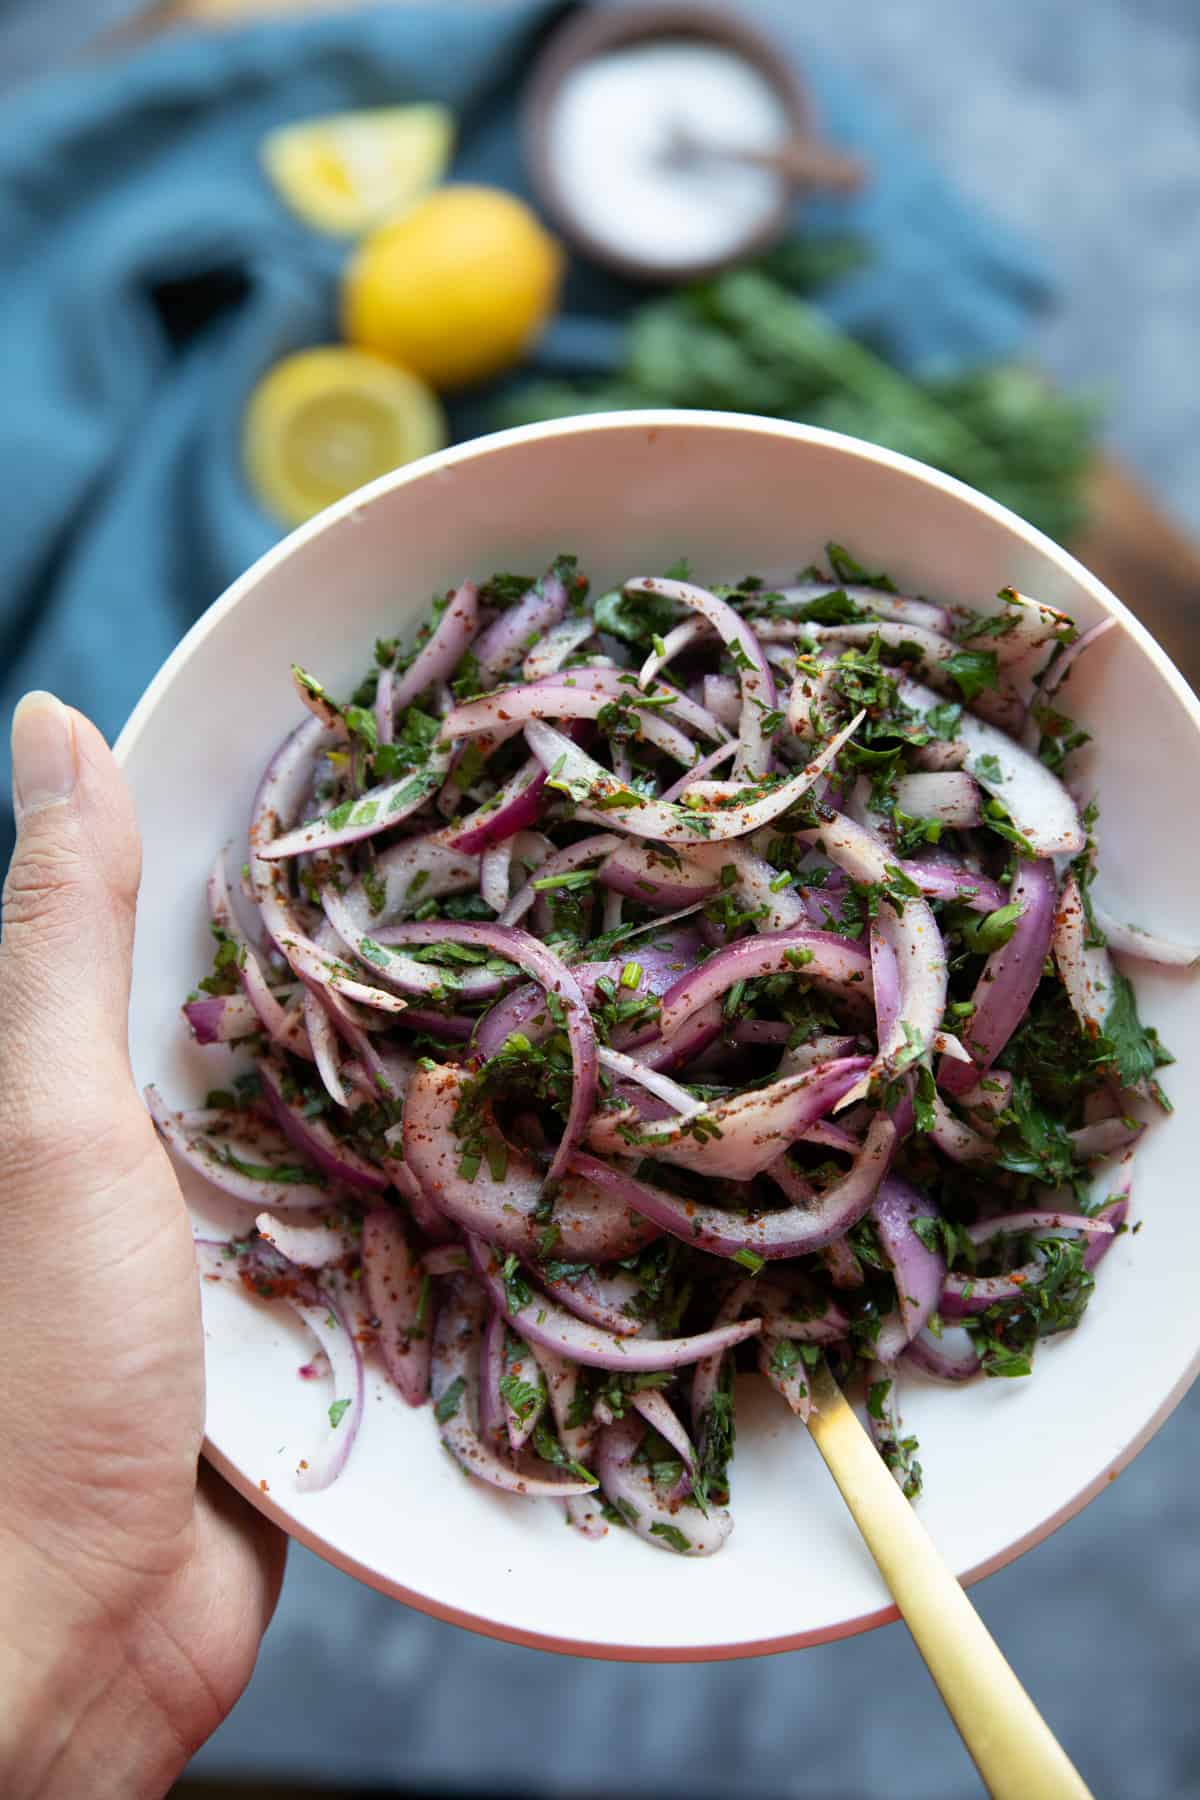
[639, 988]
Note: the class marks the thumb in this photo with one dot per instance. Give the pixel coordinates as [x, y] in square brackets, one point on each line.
[69, 904]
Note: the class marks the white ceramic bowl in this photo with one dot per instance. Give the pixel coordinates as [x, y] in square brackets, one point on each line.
[1005, 1461]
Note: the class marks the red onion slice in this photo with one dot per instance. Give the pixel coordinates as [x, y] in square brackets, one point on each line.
[221, 1018]
[942, 877]
[821, 957]
[326, 1319]
[510, 637]
[788, 1377]
[655, 876]
[600, 799]
[394, 1285]
[885, 980]
[539, 1321]
[736, 1137]
[454, 1386]
[379, 809]
[793, 1231]
[574, 697]
[559, 644]
[562, 1381]
[1009, 980]
[211, 1158]
[757, 886]
[281, 793]
[754, 671]
[654, 1516]
[1147, 946]
[309, 1243]
[950, 1357]
[659, 1415]
[590, 1226]
[951, 797]
[442, 651]
[910, 927]
[723, 698]
[599, 1299]
[560, 862]
[681, 637]
[314, 1138]
[1022, 626]
[876, 601]
[918, 1271]
[1085, 968]
[1038, 803]
[957, 1140]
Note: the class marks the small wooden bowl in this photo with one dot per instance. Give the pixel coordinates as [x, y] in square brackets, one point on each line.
[596, 31]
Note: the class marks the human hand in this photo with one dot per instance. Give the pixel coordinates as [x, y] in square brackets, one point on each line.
[134, 1585]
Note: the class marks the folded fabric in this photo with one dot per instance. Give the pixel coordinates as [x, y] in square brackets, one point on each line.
[151, 276]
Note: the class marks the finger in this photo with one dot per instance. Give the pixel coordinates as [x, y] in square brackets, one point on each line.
[69, 903]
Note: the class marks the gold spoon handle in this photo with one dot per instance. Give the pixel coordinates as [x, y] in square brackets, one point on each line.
[1013, 1748]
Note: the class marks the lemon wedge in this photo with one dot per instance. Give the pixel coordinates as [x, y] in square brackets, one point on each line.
[323, 422]
[345, 172]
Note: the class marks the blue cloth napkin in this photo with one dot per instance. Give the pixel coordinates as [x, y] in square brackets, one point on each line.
[150, 276]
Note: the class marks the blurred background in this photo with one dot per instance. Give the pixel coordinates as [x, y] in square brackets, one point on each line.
[237, 284]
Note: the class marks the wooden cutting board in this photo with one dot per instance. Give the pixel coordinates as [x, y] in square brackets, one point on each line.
[1135, 549]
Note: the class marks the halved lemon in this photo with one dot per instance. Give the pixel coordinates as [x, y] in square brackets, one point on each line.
[324, 421]
[345, 172]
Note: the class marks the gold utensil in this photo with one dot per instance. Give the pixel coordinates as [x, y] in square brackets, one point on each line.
[1013, 1748]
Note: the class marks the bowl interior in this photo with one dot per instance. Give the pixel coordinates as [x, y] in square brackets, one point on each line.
[1004, 1461]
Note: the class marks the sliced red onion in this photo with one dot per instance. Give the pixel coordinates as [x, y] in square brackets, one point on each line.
[323, 968]
[937, 756]
[1043, 1223]
[1052, 678]
[756, 885]
[957, 1140]
[832, 962]
[379, 809]
[558, 980]
[471, 981]
[677, 1098]
[738, 1136]
[576, 696]
[510, 637]
[442, 651]
[221, 1018]
[706, 1376]
[788, 1378]
[946, 1044]
[885, 1426]
[681, 637]
[950, 1357]
[1147, 946]
[966, 1295]
[655, 876]
[660, 1416]
[623, 687]
[454, 1385]
[600, 1299]
[689, 1042]
[942, 877]
[933, 652]
[704, 767]
[989, 1096]
[326, 1319]
[951, 797]
[323, 1039]
[560, 862]
[520, 1361]
[513, 808]
[1024, 625]
[491, 1373]
[590, 1226]
[821, 1049]
[559, 644]
[281, 793]
[1115, 1213]
[1086, 970]
[586, 781]
[760, 1031]
[655, 1517]
[813, 699]
[793, 1231]
[876, 601]
[404, 877]
[394, 1283]
[311, 694]
[385, 706]
[211, 1158]
[314, 1138]
[1037, 802]
[494, 870]
[885, 978]
[754, 672]
[918, 1271]
[1009, 979]
[541, 1322]
[309, 1243]
[266, 1004]
[1105, 1137]
[910, 927]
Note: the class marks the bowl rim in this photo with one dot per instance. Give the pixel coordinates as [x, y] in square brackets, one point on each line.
[654, 421]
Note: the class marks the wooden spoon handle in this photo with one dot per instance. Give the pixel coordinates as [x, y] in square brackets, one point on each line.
[1013, 1748]
[808, 164]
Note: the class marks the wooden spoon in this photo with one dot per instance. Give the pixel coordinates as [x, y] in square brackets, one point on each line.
[1013, 1748]
[801, 161]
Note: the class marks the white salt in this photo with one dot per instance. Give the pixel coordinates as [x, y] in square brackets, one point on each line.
[611, 132]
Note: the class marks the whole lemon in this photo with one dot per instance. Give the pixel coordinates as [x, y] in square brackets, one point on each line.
[455, 288]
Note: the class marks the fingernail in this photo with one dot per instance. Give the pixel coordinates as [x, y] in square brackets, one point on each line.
[43, 754]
